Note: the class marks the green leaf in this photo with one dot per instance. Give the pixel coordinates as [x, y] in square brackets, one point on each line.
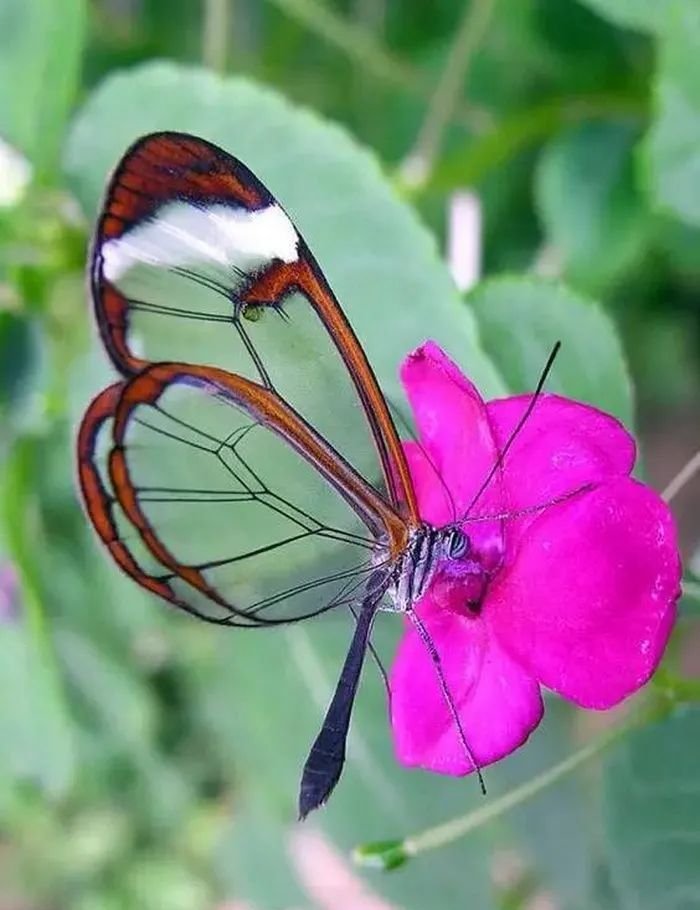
[41, 45]
[284, 681]
[93, 841]
[34, 728]
[661, 344]
[680, 242]
[672, 151]
[251, 845]
[177, 886]
[381, 262]
[589, 204]
[652, 815]
[520, 320]
[119, 702]
[553, 832]
[37, 736]
[489, 153]
[645, 15]
[19, 356]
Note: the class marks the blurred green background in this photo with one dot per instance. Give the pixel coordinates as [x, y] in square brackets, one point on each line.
[147, 762]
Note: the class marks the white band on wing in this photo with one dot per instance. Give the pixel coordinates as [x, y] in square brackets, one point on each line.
[183, 234]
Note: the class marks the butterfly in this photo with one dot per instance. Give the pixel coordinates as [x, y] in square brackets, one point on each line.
[246, 467]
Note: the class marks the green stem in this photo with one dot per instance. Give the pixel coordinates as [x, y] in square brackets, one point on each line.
[682, 478]
[391, 854]
[469, 165]
[361, 46]
[475, 20]
[676, 689]
[459, 827]
[685, 690]
[354, 40]
[216, 27]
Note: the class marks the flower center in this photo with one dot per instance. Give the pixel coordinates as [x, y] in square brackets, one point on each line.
[474, 588]
[464, 579]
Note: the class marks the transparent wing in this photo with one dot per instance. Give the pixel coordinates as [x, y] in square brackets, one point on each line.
[194, 261]
[214, 494]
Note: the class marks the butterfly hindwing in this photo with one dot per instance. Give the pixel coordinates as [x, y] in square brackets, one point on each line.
[243, 510]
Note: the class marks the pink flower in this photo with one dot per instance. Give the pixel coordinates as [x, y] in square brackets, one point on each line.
[575, 591]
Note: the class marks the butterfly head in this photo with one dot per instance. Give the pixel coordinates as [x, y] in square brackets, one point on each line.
[428, 549]
[455, 543]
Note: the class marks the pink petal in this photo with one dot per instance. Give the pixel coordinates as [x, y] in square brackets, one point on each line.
[434, 499]
[436, 506]
[454, 430]
[498, 703]
[588, 600]
[562, 446]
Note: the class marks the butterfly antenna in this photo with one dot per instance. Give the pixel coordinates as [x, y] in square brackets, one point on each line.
[408, 429]
[518, 427]
[446, 694]
[532, 510]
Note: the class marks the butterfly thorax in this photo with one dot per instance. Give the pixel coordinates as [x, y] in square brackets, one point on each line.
[415, 568]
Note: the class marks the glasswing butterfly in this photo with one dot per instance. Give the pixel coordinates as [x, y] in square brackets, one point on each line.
[240, 490]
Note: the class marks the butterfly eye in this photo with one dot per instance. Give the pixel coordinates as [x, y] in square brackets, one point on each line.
[456, 544]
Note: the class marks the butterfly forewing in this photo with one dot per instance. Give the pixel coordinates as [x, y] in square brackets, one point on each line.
[194, 261]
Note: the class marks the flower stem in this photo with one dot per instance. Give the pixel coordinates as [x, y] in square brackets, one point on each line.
[677, 689]
[419, 162]
[390, 854]
[215, 31]
[682, 478]
[459, 827]
[686, 690]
